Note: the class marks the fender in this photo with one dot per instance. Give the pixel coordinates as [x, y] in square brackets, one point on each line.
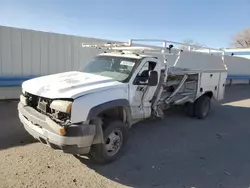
[93, 113]
[94, 102]
[93, 116]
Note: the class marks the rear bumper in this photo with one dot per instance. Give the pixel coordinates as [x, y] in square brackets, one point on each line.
[77, 140]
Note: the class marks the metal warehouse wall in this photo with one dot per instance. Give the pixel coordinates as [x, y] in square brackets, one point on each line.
[26, 52]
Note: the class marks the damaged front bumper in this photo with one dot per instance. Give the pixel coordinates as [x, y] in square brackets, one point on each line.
[77, 140]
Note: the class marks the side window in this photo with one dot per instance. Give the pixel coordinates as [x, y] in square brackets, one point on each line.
[143, 69]
[142, 76]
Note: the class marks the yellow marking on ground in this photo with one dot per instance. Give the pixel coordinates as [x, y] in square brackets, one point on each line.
[240, 103]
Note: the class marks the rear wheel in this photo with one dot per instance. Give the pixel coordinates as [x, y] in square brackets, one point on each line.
[115, 135]
[202, 107]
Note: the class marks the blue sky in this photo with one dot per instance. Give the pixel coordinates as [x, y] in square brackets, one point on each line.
[212, 22]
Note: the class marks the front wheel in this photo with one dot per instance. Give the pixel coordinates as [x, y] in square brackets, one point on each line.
[115, 136]
[202, 107]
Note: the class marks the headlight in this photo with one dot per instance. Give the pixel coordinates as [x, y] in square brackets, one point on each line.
[23, 100]
[61, 106]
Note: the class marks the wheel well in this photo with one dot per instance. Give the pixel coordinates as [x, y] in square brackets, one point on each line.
[209, 94]
[116, 113]
[104, 117]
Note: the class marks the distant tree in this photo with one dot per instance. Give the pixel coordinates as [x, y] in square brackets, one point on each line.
[191, 42]
[242, 39]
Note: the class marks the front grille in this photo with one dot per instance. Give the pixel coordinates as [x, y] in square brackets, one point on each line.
[42, 105]
[32, 100]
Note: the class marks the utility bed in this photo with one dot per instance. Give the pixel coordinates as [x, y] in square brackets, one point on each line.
[182, 85]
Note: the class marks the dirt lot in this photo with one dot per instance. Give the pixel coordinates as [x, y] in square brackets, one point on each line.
[176, 152]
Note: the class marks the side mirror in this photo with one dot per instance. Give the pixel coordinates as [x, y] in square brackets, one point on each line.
[153, 78]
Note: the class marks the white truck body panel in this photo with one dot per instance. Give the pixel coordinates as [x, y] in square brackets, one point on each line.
[209, 82]
[199, 61]
[221, 87]
[82, 105]
[213, 81]
[68, 85]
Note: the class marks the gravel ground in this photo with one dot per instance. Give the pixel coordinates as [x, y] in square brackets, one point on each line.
[175, 152]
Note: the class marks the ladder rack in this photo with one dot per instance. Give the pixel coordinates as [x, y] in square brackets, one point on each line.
[166, 47]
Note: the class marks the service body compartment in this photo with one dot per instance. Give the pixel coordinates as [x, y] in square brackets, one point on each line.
[213, 81]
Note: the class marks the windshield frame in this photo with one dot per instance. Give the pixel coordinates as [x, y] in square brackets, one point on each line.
[136, 61]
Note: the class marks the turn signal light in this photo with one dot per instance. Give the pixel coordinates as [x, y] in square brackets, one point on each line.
[62, 131]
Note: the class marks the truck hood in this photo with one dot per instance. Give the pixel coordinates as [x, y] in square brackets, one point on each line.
[69, 85]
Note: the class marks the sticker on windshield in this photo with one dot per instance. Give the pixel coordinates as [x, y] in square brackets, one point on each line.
[127, 63]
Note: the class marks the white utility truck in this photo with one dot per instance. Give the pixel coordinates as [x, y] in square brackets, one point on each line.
[89, 112]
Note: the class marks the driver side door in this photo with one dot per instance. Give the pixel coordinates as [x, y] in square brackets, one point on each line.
[140, 94]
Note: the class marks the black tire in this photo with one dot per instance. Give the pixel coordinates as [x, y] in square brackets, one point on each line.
[98, 152]
[202, 107]
[189, 109]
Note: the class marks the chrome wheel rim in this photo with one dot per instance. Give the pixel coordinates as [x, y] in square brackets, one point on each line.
[113, 142]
